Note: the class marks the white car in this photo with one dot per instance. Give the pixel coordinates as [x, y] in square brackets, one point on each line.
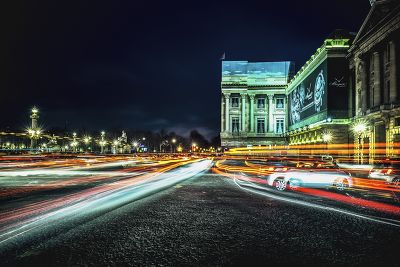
[317, 177]
[388, 171]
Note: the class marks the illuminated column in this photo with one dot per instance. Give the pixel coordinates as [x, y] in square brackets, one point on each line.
[393, 77]
[377, 81]
[222, 114]
[252, 113]
[227, 112]
[34, 131]
[243, 96]
[270, 117]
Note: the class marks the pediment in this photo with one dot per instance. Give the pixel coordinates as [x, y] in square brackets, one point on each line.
[380, 10]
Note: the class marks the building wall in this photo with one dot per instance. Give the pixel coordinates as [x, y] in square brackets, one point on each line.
[374, 62]
[254, 103]
[256, 108]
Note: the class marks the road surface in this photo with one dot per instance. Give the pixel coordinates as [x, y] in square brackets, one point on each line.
[182, 212]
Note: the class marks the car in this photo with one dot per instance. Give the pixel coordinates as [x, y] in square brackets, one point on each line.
[321, 175]
[387, 170]
[277, 166]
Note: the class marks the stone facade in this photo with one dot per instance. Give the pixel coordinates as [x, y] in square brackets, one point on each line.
[254, 103]
[374, 70]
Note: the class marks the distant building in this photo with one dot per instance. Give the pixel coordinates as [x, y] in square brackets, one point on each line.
[254, 102]
[319, 96]
[374, 70]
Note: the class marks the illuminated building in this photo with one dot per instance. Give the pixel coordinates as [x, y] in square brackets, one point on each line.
[375, 82]
[253, 102]
[319, 97]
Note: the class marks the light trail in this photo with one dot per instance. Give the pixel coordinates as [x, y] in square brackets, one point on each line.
[98, 199]
[237, 174]
[62, 177]
[261, 191]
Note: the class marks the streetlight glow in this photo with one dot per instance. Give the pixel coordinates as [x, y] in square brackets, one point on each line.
[327, 137]
[360, 127]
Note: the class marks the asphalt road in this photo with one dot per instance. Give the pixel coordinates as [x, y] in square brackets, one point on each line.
[207, 220]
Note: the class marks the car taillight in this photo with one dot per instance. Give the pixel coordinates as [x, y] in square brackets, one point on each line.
[388, 171]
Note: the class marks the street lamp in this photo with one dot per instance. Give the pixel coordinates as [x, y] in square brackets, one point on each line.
[173, 141]
[87, 140]
[360, 128]
[102, 141]
[194, 145]
[327, 138]
[34, 134]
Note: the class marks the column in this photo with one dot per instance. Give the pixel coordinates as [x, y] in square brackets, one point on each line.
[227, 112]
[222, 114]
[393, 73]
[243, 96]
[357, 86]
[270, 117]
[252, 113]
[361, 86]
[377, 80]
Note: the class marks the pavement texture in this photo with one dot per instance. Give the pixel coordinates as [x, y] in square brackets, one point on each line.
[209, 221]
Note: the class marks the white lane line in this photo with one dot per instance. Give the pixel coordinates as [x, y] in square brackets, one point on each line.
[311, 205]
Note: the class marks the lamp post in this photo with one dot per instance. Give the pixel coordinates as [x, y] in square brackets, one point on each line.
[173, 141]
[145, 148]
[327, 138]
[194, 147]
[87, 140]
[115, 146]
[360, 128]
[102, 141]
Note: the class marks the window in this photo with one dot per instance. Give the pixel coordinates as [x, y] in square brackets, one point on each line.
[260, 102]
[280, 103]
[260, 126]
[235, 124]
[235, 102]
[279, 126]
[397, 121]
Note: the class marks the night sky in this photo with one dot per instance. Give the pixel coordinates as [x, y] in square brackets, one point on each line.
[147, 64]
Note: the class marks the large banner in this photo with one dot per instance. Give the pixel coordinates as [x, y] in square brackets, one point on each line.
[310, 96]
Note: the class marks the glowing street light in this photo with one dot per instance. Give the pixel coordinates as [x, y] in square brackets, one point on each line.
[87, 139]
[360, 128]
[102, 142]
[327, 137]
